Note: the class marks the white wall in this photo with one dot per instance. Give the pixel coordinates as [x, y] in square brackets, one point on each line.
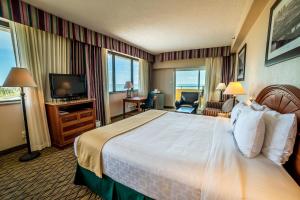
[11, 126]
[257, 76]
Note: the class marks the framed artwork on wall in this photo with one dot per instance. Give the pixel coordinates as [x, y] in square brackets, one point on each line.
[241, 63]
[284, 32]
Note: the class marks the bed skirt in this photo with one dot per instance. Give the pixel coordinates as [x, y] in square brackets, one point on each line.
[106, 187]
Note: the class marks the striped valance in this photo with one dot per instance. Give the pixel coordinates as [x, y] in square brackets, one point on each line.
[194, 53]
[24, 13]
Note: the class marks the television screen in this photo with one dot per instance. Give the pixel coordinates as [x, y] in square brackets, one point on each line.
[67, 86]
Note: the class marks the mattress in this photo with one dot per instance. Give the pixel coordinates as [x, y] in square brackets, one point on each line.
[163, 159]
[184, 156]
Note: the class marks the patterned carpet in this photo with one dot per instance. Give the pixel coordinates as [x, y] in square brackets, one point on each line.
[48, 177]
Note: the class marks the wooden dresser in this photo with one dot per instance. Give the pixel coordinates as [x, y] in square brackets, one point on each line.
[66, 120]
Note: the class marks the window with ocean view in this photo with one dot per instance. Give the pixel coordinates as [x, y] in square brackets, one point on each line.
[7, 61]
[121, 69]
[192, 80]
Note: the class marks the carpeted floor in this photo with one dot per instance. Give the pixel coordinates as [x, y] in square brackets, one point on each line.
[48, 177]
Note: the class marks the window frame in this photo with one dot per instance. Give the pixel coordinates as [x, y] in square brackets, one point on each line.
[4, 25]
[113, 55]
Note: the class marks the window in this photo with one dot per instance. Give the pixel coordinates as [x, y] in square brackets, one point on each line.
[7, 61]
[192, 80]
[121, 69]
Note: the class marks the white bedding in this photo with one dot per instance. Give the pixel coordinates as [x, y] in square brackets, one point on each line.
[178, 155]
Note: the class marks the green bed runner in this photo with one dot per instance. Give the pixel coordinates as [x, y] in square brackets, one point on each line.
[106, 187]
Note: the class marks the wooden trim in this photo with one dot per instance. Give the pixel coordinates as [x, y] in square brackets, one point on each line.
[13, 149]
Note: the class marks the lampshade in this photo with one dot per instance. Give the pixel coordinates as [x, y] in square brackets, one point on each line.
[128, 85]
[19, 77]
[234, 88]
[221, 86]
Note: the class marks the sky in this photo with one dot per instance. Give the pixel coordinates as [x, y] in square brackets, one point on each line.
[190, 77]
[7, 57]
[123, 72]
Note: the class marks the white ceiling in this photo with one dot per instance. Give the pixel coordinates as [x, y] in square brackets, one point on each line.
[156, 25]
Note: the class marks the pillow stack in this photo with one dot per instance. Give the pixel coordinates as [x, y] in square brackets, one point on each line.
[258, 129]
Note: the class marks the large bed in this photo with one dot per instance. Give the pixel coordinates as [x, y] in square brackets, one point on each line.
[183, 156]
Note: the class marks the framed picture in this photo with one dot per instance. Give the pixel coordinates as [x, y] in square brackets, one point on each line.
[241, 63]
[284, 32]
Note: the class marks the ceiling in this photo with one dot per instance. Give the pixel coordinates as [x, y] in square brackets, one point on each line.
[156, 25]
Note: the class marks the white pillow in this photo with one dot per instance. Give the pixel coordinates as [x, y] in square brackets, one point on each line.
[249, 132]
[281, 131]
[227, 105]
[236, 111]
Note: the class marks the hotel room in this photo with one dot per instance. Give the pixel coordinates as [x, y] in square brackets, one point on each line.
[132, 100]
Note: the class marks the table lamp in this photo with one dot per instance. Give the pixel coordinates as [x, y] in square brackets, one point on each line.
[221, 87]
[128, 85]
[234, 88]
[21, 77]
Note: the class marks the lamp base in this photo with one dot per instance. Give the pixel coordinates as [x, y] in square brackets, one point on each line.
[29, 156]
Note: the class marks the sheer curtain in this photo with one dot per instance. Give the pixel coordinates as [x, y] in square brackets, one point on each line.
[213, 67]
[106, 86]
[144, 77]
[41, 53]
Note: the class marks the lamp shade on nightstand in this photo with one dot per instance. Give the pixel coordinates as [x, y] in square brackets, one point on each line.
[19, 77]
[221, 86]
[234, 88]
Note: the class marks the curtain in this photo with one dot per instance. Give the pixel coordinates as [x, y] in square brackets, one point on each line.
[213, 67]
[106, 86]
[228, 71]
[144, 77]
[194, 53]
[41, 53]
[87, 59]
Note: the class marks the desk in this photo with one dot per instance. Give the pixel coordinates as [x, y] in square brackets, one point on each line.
[136, 100]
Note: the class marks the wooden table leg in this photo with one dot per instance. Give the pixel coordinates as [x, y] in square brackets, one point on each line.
[139, 106]
[123, 109]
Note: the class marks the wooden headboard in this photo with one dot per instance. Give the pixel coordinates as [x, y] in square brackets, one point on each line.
[285, 99]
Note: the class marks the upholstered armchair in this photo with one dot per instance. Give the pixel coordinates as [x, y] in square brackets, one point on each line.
[213, 108]
[188, 99]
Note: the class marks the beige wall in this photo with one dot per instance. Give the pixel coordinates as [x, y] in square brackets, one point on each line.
[186, 63]
[163, 77]
[11, 126]
[257, 76]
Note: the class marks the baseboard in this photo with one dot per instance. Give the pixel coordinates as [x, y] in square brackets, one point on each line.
[120, 115]
[169, 107]
[13, 149]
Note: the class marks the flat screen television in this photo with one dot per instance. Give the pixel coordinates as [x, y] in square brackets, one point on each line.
[68, 86]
